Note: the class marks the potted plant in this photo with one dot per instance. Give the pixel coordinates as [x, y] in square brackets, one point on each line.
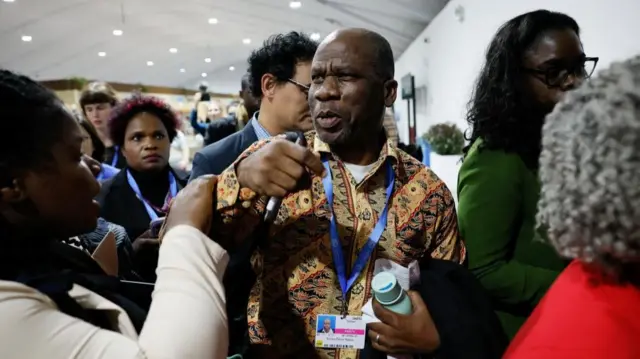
[77, 83]
[446, 141]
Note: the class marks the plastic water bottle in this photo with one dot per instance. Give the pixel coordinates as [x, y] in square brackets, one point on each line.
[390, 294]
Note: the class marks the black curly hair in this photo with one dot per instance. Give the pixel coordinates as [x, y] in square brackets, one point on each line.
[32, 119]
[498, 111]
[279, 56]
[129, 108]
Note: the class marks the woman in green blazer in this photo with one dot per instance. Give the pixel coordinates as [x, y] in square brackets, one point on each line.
[533, 60]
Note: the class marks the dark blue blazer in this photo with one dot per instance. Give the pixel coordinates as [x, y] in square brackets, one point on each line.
[216, 157]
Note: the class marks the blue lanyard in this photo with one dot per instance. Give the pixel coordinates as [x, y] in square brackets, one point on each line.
[173, 190]
[372, 242]
[114, 161]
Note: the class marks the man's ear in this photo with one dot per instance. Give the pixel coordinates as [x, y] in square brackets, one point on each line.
[391, 92]
[269, 83]
[13, 193]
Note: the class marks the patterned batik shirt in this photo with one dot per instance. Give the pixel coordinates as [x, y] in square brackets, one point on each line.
[296, 279]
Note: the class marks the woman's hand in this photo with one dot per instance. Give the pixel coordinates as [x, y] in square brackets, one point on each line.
[415, 333]
[193, 206]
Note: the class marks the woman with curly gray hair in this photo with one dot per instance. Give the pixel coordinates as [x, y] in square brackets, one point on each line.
[590, 205]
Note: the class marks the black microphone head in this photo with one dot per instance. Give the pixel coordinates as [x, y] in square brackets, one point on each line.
[291, 136]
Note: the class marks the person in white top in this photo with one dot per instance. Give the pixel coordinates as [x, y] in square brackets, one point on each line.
[46, 192]
[180, 153]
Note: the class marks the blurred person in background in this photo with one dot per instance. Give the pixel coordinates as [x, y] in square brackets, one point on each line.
[180, 153]
[532, 62]
[96, 101]
[201, 98]
[205, 114]
[250, 102]
[58, 302]
[232, 107]
[202, 95]
[220, 124]
[279, 76]
[234, 122]
[590, 205]
[242, 117]
[93, 147]
[215, 111]
[144, 128]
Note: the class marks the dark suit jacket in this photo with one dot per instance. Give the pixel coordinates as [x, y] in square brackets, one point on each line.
[220, 129]
[216, 157]
[119, 204]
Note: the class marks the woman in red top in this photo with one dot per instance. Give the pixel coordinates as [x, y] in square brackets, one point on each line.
[590, 203]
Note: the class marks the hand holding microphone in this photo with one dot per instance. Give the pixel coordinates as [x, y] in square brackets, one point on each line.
[274, 170]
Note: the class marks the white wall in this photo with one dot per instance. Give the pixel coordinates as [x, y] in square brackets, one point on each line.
[449, 63]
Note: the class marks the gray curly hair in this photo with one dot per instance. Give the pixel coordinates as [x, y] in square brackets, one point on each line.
[590, 169]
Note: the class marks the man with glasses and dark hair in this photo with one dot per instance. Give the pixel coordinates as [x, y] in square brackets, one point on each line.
[532, 62]
[280, 74]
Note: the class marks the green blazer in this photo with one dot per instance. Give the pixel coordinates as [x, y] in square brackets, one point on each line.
[498, 198]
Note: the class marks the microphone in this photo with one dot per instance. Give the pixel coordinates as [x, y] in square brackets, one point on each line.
[273, 206]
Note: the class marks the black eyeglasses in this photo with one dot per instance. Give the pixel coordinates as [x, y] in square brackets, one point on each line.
[303, 88]
[557, 76]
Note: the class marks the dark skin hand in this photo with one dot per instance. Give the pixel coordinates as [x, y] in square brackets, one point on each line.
[144, 242]
[274, 170]
[415, 333]
[193, 206]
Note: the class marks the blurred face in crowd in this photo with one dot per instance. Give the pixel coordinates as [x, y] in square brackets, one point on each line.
[556, 64]
[87, 143]
[58, 195]
[214, 111]
[289, 98]
[146, 143]
[251, 103]
[347, 97]
[98, 114]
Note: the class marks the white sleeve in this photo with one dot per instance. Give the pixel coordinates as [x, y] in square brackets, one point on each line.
[187, 318]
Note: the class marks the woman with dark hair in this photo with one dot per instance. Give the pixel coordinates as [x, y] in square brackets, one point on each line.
[143, 128]
[590, 204]
[57, 301]
[532, 62]
[93, 147]
[97, 100]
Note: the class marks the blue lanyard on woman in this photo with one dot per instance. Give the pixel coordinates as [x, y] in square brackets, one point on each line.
[114, 160]
[173, 190]
[372, 242]
[101, 175]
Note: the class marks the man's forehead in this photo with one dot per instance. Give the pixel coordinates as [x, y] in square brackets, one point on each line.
[345, 43]
[340, 54]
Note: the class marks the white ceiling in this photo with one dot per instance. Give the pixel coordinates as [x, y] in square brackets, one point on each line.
[67, 35]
